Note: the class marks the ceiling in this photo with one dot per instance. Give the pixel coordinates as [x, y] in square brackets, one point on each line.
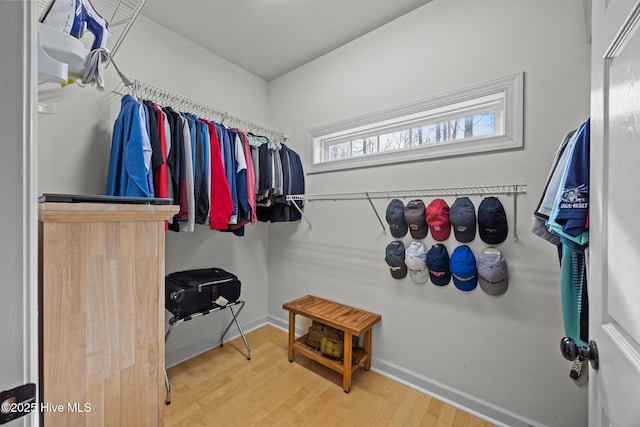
[269, 38]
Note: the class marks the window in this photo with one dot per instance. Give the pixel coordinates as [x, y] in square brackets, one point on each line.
[482, 118]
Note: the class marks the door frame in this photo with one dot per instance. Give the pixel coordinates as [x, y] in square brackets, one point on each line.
[18, 175]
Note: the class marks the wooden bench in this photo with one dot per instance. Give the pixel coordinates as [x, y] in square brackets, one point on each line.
[351, 321]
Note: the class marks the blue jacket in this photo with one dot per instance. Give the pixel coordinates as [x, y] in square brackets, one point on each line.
[127, 171]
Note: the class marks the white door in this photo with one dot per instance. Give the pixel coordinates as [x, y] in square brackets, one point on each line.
[614, 270]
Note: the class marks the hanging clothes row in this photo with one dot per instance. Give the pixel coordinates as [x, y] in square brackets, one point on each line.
[220, 176]
[562, 218]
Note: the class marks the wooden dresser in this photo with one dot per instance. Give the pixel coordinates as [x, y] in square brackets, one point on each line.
[102, 316]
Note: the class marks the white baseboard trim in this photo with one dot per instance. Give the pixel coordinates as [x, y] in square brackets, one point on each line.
[449, 395]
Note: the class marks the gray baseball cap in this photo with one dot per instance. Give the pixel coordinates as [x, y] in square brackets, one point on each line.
[462, 216]
[415, 217]
[493, 275]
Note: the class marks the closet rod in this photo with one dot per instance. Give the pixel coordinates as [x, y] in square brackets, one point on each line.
[140, 89]
[493, 190]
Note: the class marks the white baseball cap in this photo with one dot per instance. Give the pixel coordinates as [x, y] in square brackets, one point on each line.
[416, 260]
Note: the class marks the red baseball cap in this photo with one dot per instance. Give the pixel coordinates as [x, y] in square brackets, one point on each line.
[437, 215]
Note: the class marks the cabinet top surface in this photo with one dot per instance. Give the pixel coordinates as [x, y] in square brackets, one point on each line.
[70, 212]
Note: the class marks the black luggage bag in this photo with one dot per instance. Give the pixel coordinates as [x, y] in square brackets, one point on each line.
[192, 291]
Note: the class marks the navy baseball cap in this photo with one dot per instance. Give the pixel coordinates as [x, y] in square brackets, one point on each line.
[438, 265]
[462, 216]
[395, 259]
[463, 268]
[415, 217]
[492, 221]
[395, 218]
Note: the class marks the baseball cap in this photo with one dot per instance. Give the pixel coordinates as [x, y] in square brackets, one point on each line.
[438, 265]
[493, 276]
[437, 217]
[463, 268]
[416, 260]
[492, 221]
[414, 216]
[462, 216]
[395, 259]
[395, 218]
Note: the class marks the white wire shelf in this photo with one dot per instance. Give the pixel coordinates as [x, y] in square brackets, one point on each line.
[119, 14]
[487, 190]
[425, 192]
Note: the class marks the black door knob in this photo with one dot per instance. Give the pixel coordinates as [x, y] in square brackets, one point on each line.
[571, 351]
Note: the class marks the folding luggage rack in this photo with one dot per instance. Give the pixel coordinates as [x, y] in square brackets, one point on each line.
[175, 320]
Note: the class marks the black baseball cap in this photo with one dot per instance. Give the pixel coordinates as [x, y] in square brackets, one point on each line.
[395, 259]
[492, 221]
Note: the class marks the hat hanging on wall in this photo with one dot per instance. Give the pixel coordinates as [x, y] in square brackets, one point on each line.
[463, 268]
[395, 218]
[438, 265]
[437, 217]
[493, 275]
[415, 217]
[416, 261]
[462, 216]
[492, 221]
[394, 257]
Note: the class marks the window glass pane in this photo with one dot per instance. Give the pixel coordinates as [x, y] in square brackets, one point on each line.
[357, 147]
[456, 129]
[430, 134]
[371, 144]
[416, 136]
[483, 125]
[339, 151]
[395, 140]
[363, 146]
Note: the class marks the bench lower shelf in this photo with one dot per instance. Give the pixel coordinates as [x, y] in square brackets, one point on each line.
[360, 356]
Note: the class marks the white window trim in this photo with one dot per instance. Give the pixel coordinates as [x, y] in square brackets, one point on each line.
[511, 86]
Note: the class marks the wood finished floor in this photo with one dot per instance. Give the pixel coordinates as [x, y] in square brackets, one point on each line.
[221, 387]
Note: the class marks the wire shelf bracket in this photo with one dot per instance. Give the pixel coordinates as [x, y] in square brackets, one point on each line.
[481, 191]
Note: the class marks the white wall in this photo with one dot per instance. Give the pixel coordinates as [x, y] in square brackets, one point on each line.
[74, 157]
[490, 353]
